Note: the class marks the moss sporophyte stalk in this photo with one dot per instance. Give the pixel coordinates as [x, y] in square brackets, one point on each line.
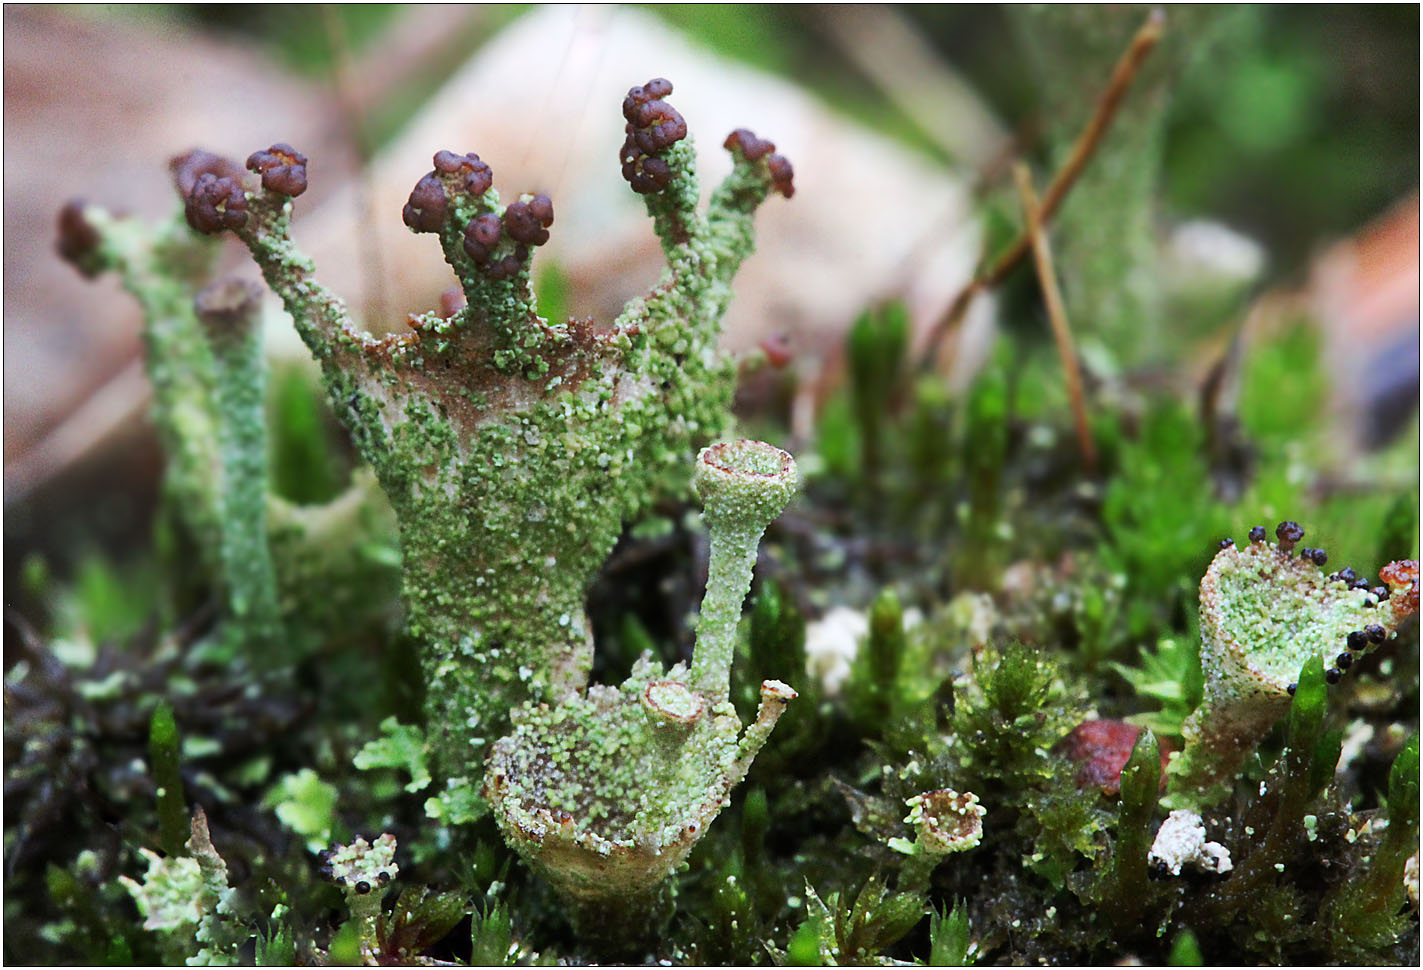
[1265, 610]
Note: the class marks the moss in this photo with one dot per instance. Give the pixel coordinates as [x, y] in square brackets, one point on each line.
[1362, 916]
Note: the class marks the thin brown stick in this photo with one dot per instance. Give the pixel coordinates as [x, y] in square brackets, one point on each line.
[1056, 312]
[1142, 43]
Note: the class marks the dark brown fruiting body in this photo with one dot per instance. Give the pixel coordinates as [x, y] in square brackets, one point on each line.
[753, 149]
[216, 203]
[744, 140]
[425, 212]
[478, 176]
[78, 242]
[282, 167]
[429, 200]
[502, 269]
[1257, 534]
[652, 127]
[528, 222]
[481, 236]
[782, 175]
[1288, 533]
[189, 167]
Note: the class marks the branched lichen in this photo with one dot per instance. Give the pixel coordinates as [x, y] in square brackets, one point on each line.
[188, 899]
[513, 449]
[207, 374]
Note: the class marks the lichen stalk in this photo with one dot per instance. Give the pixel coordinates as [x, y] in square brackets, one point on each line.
[743, 485]
[604, 794]
[230, 314]
[157, 266]
[364, 871]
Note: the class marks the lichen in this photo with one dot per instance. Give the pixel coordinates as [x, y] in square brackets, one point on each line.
[189, 900]
[606, 793]
[1264, 612]
[1181, 841]
[513, 449]
[364, 871]
[204, 362]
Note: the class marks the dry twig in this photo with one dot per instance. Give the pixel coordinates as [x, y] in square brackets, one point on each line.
[1056, 312]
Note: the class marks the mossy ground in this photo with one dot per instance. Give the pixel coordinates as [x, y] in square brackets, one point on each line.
[976, 697]
[1011, 593]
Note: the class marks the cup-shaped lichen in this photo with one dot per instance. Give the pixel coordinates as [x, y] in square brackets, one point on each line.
[743, 486]
[606, 793]
[1265, 610]
[945, 822]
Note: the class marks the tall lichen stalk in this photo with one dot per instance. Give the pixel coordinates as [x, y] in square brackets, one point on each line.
[162, 267]
[230, 314]
[290, 576]
[513, 449]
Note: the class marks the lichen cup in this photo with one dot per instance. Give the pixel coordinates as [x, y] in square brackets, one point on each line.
[606, 793]
[1266, 609]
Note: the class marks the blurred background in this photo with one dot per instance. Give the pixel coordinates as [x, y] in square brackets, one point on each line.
[1279, 144]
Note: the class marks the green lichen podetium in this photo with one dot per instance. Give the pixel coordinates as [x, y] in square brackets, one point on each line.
[364, 871]
[511, 448]
[210, 424]
[230, 314]
[162, 265]
[1264, 612]
[605, 794]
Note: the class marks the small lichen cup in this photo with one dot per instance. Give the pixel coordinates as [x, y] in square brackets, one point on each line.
[945, 822]
[605, 794]
[1265, 610]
